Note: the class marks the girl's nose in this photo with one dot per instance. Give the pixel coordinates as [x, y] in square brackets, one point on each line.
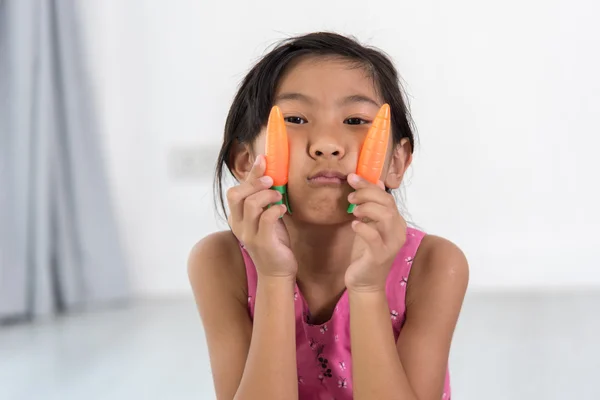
[326, 150]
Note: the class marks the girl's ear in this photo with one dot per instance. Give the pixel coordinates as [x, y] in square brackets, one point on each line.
[399, 163]
[240, 159]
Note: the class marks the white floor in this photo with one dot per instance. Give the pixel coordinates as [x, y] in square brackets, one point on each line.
[507, 346]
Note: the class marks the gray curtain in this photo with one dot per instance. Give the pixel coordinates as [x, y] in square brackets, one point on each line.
[59, 247]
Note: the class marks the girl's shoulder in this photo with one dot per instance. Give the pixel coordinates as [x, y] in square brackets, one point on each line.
[436, 248]
[217, 260]
[438, 262]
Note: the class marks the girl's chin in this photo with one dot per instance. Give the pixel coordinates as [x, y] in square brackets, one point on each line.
[321, 216]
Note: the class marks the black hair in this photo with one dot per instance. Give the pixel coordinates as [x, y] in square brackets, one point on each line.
[250, 109]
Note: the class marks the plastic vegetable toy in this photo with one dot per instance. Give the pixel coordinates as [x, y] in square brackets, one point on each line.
[277, 154]
[374, 149]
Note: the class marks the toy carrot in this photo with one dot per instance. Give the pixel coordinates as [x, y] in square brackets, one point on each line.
[277, 154]
[374, 149]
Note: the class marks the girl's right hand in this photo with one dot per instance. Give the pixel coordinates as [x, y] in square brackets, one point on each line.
[258, 228]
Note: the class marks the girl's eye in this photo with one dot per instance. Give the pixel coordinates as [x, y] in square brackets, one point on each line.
[295, 120]
[355, 121]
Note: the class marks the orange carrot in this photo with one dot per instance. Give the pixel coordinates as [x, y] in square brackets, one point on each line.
[277, 153]
[374, 148]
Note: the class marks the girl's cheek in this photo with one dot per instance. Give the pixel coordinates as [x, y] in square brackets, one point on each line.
[295, 162]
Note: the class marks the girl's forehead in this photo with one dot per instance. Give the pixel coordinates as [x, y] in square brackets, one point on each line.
[326, 78]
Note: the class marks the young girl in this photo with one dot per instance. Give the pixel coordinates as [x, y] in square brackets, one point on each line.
[323, 304]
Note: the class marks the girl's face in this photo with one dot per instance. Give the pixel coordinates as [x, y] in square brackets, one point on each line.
[328, 106]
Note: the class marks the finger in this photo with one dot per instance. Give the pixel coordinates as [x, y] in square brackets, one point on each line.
[254, 206]
[373, 212]
[254, 183]
[237, 195]
[357, 182]
[382, 218]
[372, 194]
[269, 218]
[369, 234]
[257, 170]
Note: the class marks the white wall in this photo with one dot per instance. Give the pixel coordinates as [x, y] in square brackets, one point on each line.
[505, 97]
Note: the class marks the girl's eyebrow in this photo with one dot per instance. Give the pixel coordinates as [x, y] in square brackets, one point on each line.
[355, 98]
[359, 98]
[294, 96]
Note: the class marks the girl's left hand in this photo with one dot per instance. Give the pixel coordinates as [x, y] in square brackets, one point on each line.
[380, 234]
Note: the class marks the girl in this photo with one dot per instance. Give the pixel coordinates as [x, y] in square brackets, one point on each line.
[322, 304]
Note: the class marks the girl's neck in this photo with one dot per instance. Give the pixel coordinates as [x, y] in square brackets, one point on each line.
[322, 252]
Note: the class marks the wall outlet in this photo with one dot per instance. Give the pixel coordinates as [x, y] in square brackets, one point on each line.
[192, 162]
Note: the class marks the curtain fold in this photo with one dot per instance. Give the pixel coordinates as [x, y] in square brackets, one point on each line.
[59, 246]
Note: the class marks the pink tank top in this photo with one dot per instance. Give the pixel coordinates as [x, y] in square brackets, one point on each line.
[323, 351]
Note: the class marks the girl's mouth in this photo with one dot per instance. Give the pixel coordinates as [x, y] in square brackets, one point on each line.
[327, 178]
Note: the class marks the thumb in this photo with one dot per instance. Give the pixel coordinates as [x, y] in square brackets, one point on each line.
[258, 168]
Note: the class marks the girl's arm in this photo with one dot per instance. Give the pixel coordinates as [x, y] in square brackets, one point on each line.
[248, 361]
[414, 368]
